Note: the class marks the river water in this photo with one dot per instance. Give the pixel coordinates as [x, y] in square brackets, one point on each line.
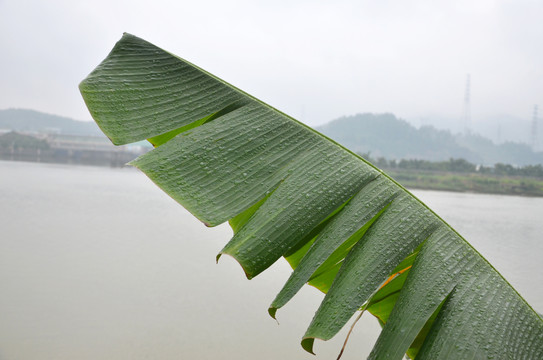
[98, 263]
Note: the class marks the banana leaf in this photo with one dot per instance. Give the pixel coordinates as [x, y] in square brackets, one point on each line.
[345, 226]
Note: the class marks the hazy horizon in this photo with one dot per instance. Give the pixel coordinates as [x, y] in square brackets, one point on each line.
[499, 128]
[315, 61]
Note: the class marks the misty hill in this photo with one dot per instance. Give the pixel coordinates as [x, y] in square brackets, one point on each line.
[384, 135]
[498, 128]
[23, 120]
[506, 153]
[381, 135]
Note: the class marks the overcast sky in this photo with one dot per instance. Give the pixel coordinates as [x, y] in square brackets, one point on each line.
[315, 60]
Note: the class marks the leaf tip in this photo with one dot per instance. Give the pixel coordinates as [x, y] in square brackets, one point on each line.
[307, 344]
[272, 311]
[248, 273]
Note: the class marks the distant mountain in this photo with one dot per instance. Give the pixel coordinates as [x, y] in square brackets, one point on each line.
[513, 153]
[381, 135]
[384, 135]
[498, 128]
[30, 121]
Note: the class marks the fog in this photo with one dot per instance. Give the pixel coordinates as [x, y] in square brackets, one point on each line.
[314, 60]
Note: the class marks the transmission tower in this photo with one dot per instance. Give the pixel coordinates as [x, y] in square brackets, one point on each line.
[467, 106]
[534, 130]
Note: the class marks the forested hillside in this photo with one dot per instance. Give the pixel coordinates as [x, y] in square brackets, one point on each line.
[384, 135]
[24, 120]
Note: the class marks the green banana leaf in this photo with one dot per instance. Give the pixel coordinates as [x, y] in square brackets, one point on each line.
[345, 226]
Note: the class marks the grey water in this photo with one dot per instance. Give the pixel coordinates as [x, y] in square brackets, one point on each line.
[98, 263]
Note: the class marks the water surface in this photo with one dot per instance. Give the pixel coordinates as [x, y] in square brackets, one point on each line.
[98, 263]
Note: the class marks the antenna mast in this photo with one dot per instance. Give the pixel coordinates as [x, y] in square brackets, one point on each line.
[534, 130]
[467, 106]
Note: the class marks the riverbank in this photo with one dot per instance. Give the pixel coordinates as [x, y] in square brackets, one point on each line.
[411, 179]
[468, 182]
[66, 149]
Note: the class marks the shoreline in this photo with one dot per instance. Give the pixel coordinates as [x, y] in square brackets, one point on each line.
[469, 182]
[411, 179]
